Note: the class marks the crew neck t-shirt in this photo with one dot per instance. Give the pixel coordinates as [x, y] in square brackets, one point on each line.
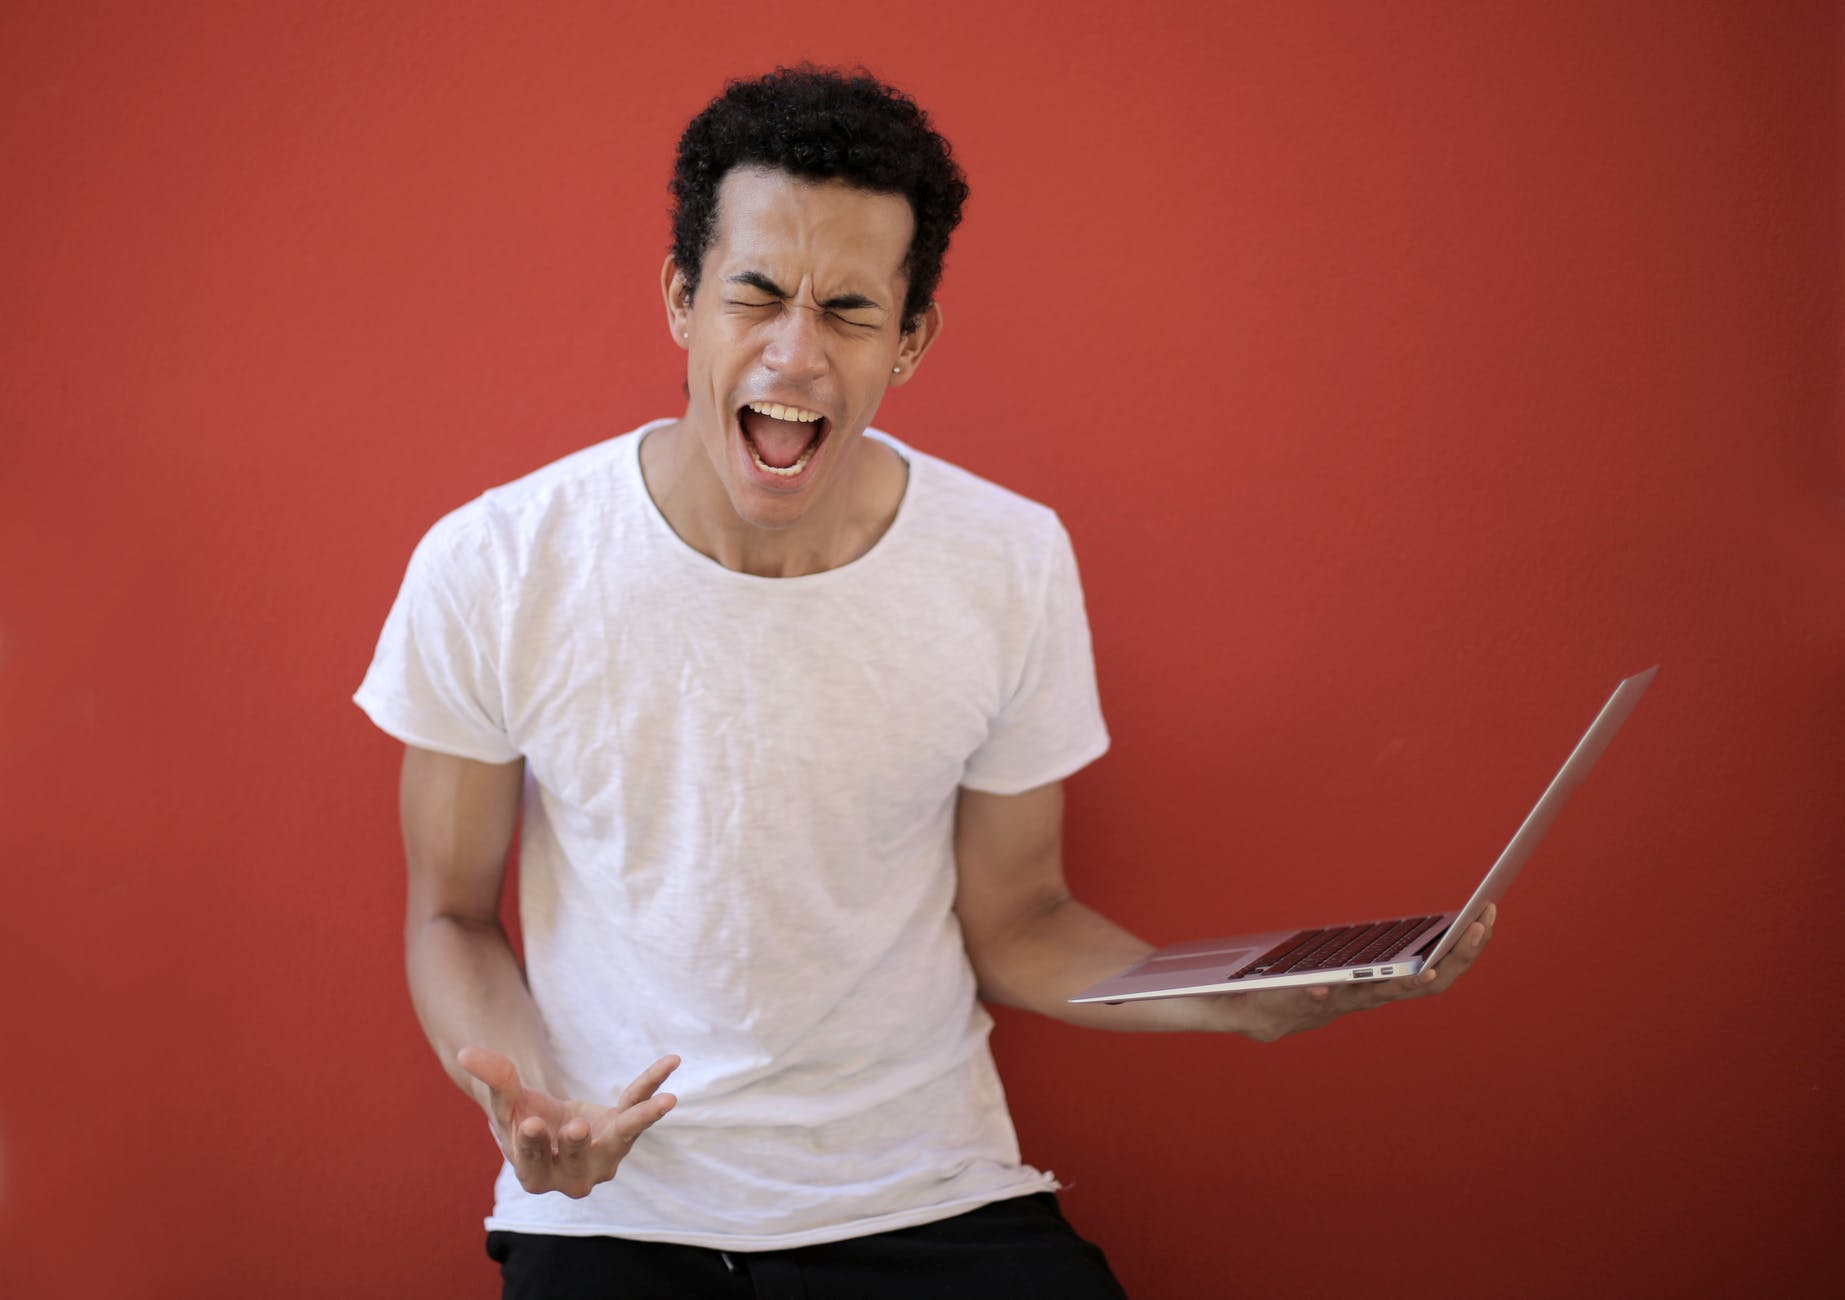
[737, 835]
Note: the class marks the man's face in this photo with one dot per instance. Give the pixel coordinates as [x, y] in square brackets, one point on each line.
[793, 336]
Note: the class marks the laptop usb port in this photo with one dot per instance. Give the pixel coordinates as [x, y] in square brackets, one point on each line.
[1361, 974]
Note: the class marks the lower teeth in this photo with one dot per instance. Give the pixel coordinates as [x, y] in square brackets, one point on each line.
[784, 471]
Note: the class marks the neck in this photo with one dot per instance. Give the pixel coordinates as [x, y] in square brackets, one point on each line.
[844, 522]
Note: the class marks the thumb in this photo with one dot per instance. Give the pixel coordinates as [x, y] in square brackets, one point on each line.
[493, 1069]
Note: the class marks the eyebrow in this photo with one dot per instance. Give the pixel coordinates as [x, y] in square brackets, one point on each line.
[839, 302]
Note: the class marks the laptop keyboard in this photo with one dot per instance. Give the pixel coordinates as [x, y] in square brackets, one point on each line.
[1336, 947]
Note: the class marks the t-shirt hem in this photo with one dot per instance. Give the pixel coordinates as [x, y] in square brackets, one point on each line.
[1042, 1182]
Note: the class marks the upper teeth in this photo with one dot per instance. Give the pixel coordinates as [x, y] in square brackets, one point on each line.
[776, 411]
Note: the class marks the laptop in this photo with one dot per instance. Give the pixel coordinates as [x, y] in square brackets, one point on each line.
[1390, 948]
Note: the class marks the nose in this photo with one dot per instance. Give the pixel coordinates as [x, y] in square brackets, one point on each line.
[796, 348]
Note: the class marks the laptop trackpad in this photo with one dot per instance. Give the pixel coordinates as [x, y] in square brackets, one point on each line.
[1201, 951]
[1216, 954]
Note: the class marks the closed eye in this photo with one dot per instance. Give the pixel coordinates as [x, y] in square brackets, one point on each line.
[857, 322]
[834, 308]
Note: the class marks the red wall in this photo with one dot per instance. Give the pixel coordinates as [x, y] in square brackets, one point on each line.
[1405, 373]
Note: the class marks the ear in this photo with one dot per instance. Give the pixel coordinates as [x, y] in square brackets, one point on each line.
[678, 297]
[914, 345]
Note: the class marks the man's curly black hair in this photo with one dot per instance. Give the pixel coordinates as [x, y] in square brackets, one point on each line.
[821, 124]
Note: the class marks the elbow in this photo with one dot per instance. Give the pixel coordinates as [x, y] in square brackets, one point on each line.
[421, 926]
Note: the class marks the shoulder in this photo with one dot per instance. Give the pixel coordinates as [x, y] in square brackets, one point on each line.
[962, 509]
[594, 476]
[562, 506]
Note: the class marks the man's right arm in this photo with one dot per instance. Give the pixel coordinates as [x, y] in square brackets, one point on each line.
[458, 818]
[470, 993]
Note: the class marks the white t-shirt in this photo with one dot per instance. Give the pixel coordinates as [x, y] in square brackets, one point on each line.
[738, 828]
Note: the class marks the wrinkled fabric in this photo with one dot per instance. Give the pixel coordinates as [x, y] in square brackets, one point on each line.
[738, 825]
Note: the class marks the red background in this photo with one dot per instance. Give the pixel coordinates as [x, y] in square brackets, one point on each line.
[1405, 373]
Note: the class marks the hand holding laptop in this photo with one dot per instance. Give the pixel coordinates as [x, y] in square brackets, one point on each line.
[1268, 1014]
[1392, 953]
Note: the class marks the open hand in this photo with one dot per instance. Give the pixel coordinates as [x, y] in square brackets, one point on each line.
[1268, 1014]
[559, 1145]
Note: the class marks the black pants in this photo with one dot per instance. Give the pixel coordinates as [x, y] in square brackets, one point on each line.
[1010, 1250]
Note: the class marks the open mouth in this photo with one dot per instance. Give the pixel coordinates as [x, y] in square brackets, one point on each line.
[781, 439]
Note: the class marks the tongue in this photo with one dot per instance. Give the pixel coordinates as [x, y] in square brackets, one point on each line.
[779, 442]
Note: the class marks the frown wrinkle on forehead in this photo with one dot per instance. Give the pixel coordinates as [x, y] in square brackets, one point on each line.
[816, 241]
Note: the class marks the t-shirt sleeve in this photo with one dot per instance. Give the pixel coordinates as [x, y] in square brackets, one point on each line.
[434, 680]
[1051, 723]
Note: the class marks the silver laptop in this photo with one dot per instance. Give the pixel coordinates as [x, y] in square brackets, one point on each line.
[1363, 950]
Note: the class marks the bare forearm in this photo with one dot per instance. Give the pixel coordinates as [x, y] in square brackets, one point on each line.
[1033, 946]
[468, 991]
[1062, 949]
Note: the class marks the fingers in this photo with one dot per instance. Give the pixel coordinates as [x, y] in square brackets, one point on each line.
[565, 1159]
[1271, 1014]
[585, 1156]
[582, 1145]
[526, 1139]
[499, 1074]
[490, 1067]
[647, 1082]
[573, 1165]
[641, 1104]
[626, 1125]
[532, 1150]
[1460, 957]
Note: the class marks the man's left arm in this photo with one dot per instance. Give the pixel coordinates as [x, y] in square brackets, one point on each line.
[1032, 945]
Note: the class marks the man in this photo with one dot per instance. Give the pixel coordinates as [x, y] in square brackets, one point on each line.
[787, 705]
